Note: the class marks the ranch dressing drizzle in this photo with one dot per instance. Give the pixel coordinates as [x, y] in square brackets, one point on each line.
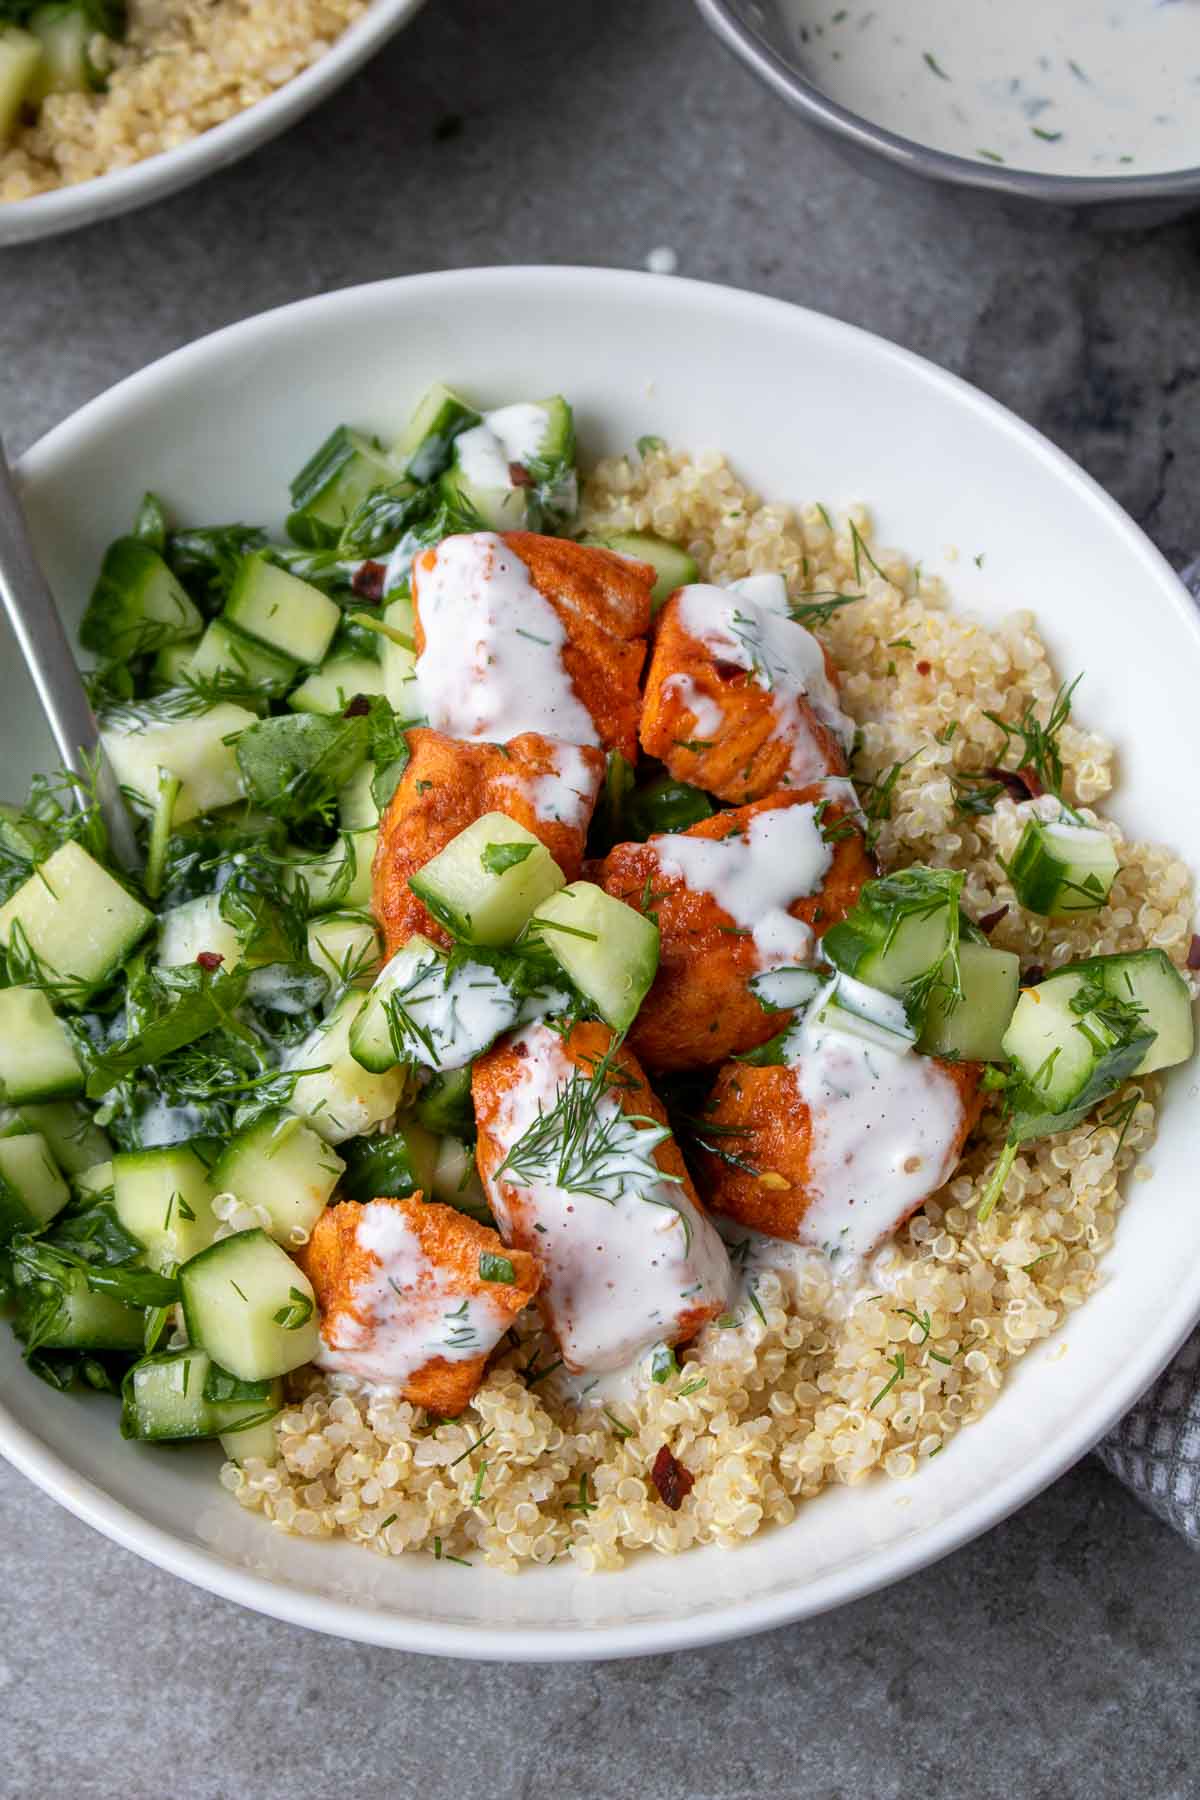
[784, 658]
[456, 1012]
[567, 794]
[619, 1271]
[756, 875]
[492, 663]
[1066, 87]
[413, 1309]
[884, 1126]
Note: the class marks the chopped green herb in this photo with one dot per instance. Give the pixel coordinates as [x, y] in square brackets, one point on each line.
[496, 1268]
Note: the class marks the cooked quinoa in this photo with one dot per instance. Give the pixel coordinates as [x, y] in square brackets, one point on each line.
[810, 1382]
[185, 66]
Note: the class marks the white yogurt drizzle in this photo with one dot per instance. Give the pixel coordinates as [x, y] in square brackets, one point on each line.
[884, 1122]
[756, 875]
[412, 1310]
[457, 1010]
[620, 1266]
[567, 793]
[784, 658]
[492, 664]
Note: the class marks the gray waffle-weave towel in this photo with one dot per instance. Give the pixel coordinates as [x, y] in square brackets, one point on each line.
[1155, 1450]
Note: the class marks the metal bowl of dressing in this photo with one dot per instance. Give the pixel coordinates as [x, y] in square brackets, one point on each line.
[816, 56]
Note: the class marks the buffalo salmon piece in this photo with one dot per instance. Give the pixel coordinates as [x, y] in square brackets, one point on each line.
[547, 786]
[414, 1296]
[735, 895]
[582, 1171]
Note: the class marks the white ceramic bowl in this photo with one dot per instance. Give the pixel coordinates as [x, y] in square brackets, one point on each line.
[807, 408]
[85, 203]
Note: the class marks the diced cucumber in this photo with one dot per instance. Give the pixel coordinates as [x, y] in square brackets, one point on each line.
[164, 1199]
[281, 611]
[95, 1183]
[346, 468]
[88, 1321]
[171, 664]
[899, 933]
[199, 751]
[74, 920]
[357, 810]
[428, 1010]
[863, 1012]
[21, 836]
[973, 1028]
[37, 1057]
[185, 931]
[183, 1394]
[280, 1163]
[247, 1303]
[343, 1100]
[20, 59]
[64, 30]
[445, 1104]
[339, 877]
[1149, 980]
[226, 651]
[483, 886]
[1058, 869]
[1071, 1046]
[32, 1188]
[609, 950]
[345, 946]
[673, 567]
[259, 1438]
[76, 1143]
[390, 1165]
[478, 481]
[399, 661]
[456, 1181]
[331, 688]
[137, 604]
[425, 448]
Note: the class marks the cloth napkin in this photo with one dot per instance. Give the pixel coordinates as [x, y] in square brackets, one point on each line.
[1155, 1450]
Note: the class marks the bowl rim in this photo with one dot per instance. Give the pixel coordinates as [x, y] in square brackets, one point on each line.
[121, 190]
[915, 158]
[580, 1642]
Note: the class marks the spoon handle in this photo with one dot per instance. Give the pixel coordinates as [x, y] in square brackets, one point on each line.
[48, 656]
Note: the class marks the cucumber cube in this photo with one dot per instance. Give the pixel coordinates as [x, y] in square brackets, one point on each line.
[37, 1057]
[487, 881]
[163, 1198]
[74, 920]
[898, 932]
[341, 1099]
[340, 877]
[20, 60]
[32, 1188]
[344, 946]
[427, 444]
[200, 751]
[392, 1165]
[606, 948]
[88, 1321]
[187, 931]
[398, 661]
[673, 567]
[1149, 980]
[331, 688]
[256, 1438]
[357, 810]
[1057, 869]
[973, 1028]
[425, 1010]
[280, 1163]
[226, 651]
[247, 1303]
[64, 33]
[95, 1183]
[346, 468]
[137, 604]
[281, 611]
[183, 1394]
[74, 1140]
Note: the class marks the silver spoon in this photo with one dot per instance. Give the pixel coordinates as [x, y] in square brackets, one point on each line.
[50, 661]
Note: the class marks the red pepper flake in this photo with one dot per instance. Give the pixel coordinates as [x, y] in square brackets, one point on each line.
[358, 708]
[671, 1479]
[519, 475]
[1011, 779]
[990, 920]
[209, 960]
[1032, 780]
[368, 579]
[924, 668]
[1193, 955]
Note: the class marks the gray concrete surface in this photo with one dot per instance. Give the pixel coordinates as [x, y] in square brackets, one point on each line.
[1056, 1658]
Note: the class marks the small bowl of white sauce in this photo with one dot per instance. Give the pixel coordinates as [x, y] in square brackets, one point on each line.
[1092, 104]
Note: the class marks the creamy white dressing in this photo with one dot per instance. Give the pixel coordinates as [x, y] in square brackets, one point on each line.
[784, 659]
[159, 1124]
[457, 1010]
[756, 875]
[623, 1264]
[884, 1128]
[1068, 87]
[566, 793]
[703, 708]
[412, 1310]
[492, 664]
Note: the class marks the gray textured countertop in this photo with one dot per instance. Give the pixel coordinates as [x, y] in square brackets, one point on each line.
[1058, 1656]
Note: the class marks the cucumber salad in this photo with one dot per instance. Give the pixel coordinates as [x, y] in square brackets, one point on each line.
[558, 1081]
